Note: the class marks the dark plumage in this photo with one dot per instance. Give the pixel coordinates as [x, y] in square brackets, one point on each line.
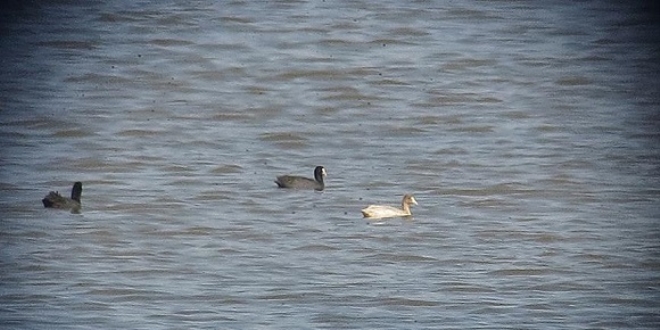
[299, 182]
[55, 200]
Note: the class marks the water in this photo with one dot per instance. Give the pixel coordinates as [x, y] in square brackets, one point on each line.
[527, 131]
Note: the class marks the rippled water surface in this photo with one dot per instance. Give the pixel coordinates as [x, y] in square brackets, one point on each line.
[528, 132]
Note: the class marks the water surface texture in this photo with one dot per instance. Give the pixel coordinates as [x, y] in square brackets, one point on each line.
[528, 131]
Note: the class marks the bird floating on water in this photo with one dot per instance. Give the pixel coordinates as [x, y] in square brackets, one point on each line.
[299, 182]
[384, 211]
[57, 201]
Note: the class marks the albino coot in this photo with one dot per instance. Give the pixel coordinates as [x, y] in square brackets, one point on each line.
[384, 211]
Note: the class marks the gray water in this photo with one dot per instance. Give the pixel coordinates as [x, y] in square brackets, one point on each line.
[527, 131]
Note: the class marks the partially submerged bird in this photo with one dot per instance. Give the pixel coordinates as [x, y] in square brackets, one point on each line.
[55, 200]
[383, 211]
[299, 182]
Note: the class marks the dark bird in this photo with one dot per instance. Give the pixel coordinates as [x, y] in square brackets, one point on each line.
[299, 182]
[57, 201]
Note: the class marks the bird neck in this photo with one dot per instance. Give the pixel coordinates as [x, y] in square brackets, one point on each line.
[405, 207]
[76, 192]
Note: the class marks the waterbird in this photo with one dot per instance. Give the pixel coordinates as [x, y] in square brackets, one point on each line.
[299, 182]
[57, 201]
[384, 211]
